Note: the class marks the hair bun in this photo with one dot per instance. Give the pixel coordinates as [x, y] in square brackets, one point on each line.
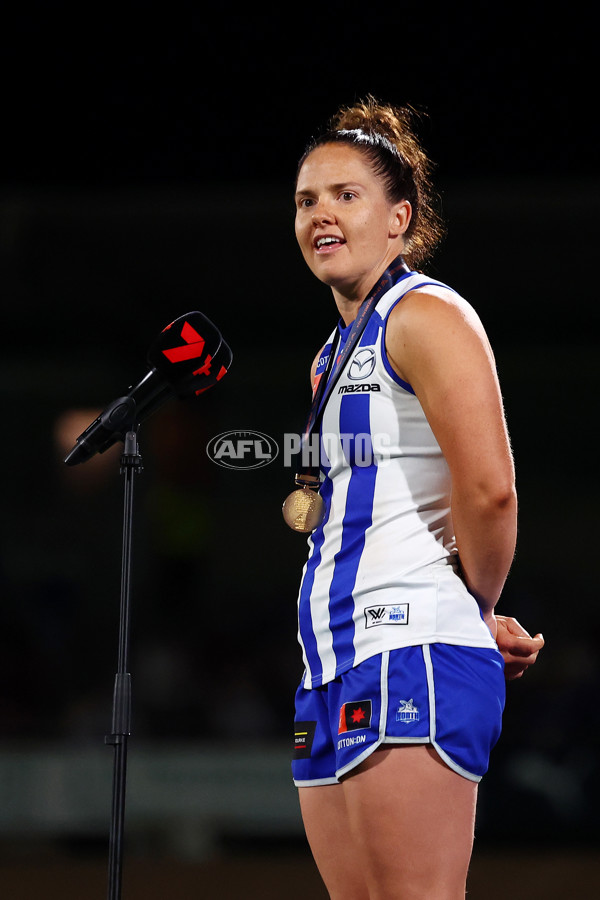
[371, 116]
[396, 123]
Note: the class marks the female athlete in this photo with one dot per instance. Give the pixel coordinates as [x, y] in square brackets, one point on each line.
[403, 692]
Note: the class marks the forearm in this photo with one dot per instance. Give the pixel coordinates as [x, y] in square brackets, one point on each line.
[485, 528]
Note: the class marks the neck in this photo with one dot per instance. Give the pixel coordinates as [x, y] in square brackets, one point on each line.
[349, 300]
[347, 308]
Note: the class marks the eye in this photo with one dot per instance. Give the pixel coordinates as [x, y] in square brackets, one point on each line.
[346, 196]
[304, 202]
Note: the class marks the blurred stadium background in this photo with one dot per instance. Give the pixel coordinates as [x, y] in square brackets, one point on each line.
[148, 170]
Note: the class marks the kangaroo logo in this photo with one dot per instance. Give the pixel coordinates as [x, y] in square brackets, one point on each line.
[407, 712]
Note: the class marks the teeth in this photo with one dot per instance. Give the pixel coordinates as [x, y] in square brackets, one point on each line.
[327, 240]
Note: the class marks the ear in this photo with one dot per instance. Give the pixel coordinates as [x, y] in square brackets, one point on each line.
[400, 216]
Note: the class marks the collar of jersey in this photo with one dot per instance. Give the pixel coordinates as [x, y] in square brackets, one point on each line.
[392, 276]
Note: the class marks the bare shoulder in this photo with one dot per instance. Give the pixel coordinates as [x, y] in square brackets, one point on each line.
[424, 307]
[433, 324]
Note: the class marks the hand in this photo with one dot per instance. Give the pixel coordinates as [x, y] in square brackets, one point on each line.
[517, 647]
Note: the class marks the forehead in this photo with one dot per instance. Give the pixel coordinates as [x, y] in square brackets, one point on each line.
[335, 163]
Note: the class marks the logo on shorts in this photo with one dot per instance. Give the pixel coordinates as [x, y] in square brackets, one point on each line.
[304, 734]
[355, 716]
[407, 712]
[390, 614]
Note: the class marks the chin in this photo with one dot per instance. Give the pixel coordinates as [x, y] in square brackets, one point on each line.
[330, 272]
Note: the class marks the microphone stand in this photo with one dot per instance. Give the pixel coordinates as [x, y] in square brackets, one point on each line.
[131, 464]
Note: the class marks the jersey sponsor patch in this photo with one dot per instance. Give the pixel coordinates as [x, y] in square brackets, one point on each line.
[304, 735]
[386, 614]
[355, 716]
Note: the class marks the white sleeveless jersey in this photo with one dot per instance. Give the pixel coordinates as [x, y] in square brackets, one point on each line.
[382, 567]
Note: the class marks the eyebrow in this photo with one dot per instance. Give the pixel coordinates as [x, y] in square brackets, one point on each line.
[338, 186]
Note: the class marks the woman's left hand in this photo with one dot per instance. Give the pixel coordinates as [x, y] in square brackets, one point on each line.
[517, 647]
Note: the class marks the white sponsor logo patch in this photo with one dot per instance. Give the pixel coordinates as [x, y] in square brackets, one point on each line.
[388, 614]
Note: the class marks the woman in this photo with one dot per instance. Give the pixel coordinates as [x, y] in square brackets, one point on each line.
[403, 691]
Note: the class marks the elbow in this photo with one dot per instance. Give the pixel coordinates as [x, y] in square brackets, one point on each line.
[498, 500]
[489, 498]
[503, 497]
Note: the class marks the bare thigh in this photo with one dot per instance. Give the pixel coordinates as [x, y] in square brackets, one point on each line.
[327, 827]
[401, 826]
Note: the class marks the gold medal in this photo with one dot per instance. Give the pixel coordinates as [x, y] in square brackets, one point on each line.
[304, 509]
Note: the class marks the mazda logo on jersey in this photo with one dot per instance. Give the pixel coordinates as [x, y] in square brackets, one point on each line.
[363, 364]
[358, 388]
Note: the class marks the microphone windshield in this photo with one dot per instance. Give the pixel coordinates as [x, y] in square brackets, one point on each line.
[190, 354]
[188, 357]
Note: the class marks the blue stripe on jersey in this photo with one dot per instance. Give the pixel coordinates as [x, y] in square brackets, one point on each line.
[384, 357]
[354, 420]
[304, 610]
[371, 332]
[392, 372]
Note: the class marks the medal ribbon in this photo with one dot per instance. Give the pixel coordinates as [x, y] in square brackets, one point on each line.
[335, 367]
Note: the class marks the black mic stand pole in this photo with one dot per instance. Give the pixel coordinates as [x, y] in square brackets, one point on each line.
[131, 464]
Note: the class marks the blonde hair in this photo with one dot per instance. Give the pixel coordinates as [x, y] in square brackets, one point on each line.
[386, 135]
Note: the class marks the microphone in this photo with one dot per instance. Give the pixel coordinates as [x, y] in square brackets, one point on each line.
[188, 357]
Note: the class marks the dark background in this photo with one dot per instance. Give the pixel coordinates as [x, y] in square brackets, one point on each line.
[147, 170]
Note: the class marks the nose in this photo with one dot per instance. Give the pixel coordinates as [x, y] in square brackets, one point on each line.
[322, 214]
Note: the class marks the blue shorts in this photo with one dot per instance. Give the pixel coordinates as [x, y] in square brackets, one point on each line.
[449, 697]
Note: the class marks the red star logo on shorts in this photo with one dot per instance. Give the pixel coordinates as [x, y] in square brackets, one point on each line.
[355, 716]
[358, 715]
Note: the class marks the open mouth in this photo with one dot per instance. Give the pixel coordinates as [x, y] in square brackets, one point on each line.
[328, 242]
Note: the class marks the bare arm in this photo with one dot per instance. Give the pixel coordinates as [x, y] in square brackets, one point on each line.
[439, 346]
